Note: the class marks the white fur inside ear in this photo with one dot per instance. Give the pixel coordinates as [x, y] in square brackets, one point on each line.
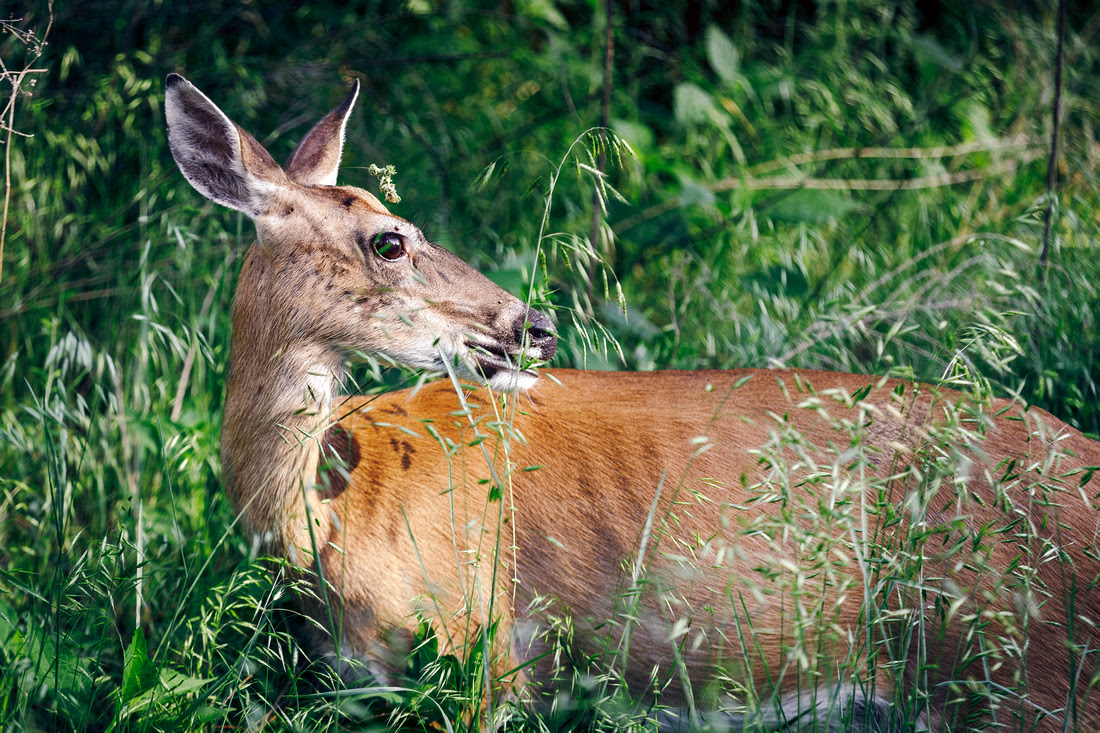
[316, 160]
[207, 148]
[329, 178]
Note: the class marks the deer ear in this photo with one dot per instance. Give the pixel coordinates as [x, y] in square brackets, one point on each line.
[222, 161]
[316, 160]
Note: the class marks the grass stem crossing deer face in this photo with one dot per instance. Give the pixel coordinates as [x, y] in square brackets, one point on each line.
[793, 550]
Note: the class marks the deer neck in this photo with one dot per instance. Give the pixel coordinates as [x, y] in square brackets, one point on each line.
[280, 393]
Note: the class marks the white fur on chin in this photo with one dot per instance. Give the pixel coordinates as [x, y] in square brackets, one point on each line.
[517, 381]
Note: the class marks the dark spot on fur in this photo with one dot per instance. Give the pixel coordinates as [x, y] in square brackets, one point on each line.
[587, 488]
[395, 445]
[347, 202]
[340, 455]
[398, 410]
[406, 454]
[489, 315]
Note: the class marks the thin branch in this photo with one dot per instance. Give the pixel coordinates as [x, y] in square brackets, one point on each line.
[36, 45]
[1052, 167]
[12, 131]
[450, 58]
[945, 179]
[943, 151]
[7, 175]
[876, 184]
[24, 71]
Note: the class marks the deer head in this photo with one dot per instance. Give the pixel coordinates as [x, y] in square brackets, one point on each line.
[339, 272]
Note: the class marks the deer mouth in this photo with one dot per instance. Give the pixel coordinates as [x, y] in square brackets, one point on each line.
[493, 359]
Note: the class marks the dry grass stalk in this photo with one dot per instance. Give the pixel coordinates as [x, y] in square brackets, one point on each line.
[35, 46]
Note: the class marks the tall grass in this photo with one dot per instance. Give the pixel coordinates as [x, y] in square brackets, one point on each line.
[128, 597]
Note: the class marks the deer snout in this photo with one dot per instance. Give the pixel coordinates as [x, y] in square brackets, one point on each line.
[537, 332]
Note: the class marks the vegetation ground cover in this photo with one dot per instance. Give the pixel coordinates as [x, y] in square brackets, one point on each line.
[857, 186]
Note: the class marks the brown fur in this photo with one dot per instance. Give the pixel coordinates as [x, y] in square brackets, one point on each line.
[751, 493]
[604, 441]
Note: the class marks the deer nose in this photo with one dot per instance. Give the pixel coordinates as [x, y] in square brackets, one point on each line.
[537, 330]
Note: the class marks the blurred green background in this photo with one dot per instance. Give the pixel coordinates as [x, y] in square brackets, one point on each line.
[855, 185]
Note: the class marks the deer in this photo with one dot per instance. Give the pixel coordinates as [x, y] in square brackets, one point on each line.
[754, 549]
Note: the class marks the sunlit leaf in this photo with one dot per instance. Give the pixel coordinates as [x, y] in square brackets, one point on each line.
[810, 206]
[691, 104]
[722, 55]
[138, 671]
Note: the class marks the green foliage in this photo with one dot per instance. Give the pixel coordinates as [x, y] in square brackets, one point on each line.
[739, 230]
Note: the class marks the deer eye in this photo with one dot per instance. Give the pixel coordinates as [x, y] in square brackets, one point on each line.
[389, 246]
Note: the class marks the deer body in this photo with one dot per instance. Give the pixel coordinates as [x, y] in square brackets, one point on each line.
[697, 522]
